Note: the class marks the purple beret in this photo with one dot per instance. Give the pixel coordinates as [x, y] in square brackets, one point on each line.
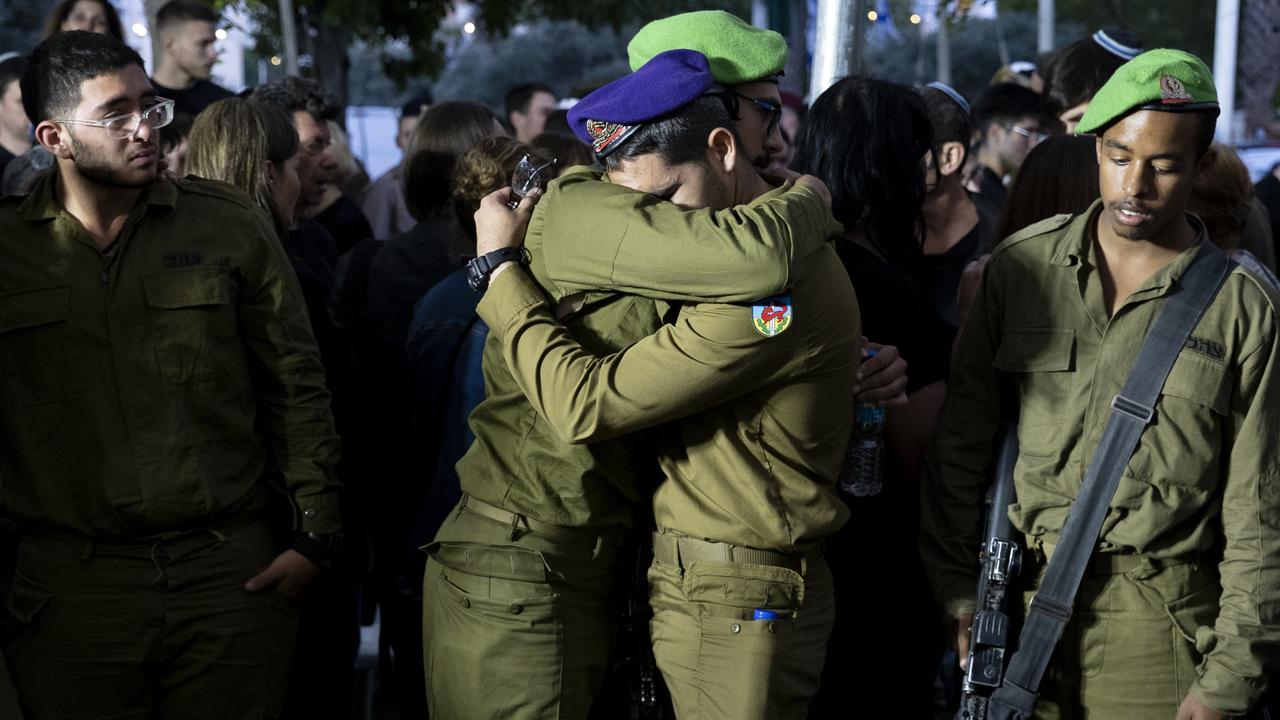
[671, 80]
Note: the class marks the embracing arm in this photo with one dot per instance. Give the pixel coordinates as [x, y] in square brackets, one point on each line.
[590, 234]
[708, 356]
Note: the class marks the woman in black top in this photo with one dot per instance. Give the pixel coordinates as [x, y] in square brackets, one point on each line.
[870, 141]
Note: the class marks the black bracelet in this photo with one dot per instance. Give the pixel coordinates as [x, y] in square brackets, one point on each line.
[319, 548]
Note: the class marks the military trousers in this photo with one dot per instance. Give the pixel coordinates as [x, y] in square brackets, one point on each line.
[515, 618]
[155, 629]
[717, 660]
[1129, 652]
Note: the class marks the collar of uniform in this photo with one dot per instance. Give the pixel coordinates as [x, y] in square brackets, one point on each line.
[42, 203]
[1080, 247]
[1076, 247]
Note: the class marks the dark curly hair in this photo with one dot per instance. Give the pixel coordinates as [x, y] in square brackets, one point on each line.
[293, 94]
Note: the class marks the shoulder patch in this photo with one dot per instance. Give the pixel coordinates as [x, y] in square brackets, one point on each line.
[772, 316]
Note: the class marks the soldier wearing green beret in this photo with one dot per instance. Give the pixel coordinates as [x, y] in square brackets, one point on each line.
[515, 617]
[742, 597]
[1177, 613]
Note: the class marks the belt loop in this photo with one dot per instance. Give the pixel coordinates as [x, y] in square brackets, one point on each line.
[599, 546]
[511, 527]
[88, 550]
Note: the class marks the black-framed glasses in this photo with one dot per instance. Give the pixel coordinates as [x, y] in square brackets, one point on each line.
[119, 127]
[772, 110]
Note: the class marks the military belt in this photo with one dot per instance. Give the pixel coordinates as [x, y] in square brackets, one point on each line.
[600, 536]
[681, 551]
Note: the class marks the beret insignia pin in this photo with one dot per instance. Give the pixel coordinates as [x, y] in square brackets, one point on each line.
[606, 134]
[1172, 91]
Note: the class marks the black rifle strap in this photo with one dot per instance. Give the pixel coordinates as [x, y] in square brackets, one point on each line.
[1132, 410]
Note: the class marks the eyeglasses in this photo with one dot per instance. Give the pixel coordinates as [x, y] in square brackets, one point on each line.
[1035, 136]
[772, 110]
[122, 126]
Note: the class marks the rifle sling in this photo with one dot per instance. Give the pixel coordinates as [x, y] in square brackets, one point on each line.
[1132, 410]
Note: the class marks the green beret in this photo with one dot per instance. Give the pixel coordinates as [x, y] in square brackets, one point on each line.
[1168, 80]
[738, 52]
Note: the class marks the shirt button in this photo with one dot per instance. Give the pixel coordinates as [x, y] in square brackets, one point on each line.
[466, 602]
[105, 278]
[309, 513]
[735, 628]
[516, 608]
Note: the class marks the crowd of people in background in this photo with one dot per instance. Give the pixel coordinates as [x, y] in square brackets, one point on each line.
[924, 182]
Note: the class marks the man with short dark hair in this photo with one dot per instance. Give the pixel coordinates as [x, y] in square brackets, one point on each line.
[383, 202]
[957, 229]
[1079, 71]
[311, 109]
[527, 108]
[1176, 614]
[1009, 119]
[15, 130]
[188, 51]
[164, 416]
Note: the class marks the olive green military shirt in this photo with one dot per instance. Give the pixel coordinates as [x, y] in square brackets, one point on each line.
[1205, 475]
[159, 384]
[584, 231]
[754, 461]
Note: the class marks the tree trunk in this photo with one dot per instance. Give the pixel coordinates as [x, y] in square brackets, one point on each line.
[1259, 60]
[330, 62]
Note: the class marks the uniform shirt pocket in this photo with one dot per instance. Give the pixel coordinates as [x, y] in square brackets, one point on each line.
[1041, 363]
[193, 323]
[1180, 452]
[35, 350]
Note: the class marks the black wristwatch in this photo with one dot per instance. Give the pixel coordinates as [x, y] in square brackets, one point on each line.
[319, 548]
[479, 269]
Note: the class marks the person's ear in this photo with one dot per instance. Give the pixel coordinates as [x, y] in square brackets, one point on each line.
[951, 158]
[53, 137]
[270, 173]
[722, 149]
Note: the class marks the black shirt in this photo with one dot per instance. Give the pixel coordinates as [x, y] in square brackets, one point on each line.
[347, 224]
[194, 99]
[991, 192]
[939, 275]
[5, 158]
[895, 311]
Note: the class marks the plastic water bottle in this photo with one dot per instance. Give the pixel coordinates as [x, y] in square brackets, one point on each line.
[862, 474]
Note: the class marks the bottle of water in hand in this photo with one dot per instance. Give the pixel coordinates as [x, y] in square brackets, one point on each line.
[862, 474]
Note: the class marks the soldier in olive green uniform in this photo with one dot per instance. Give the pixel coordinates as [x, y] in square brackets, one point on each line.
[1177, 613]
[742, 598]
[515, 623]
[159, 390]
